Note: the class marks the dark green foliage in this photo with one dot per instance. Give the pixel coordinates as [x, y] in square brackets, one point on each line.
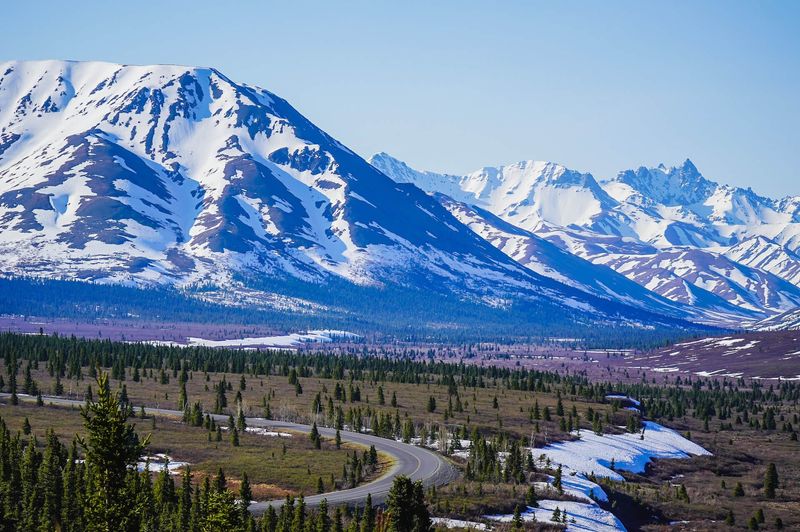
[405, 507]
[770, 481]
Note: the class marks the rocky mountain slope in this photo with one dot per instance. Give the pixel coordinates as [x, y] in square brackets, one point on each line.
[179, 176]
[726, 252]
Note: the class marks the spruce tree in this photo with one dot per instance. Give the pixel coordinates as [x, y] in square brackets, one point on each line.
[299, 517]
[770, 481]
[111, 448]
[368, 516]
[51, 484]
[71, 504]
[516, 520]
[185, 501]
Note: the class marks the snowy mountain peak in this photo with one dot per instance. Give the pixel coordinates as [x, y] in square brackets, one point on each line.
[179, 175]
[676, 185]
[722, 249]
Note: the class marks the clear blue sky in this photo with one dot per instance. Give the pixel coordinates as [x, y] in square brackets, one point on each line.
[455, 85]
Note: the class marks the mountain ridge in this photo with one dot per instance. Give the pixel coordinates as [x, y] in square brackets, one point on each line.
[743, 245]
[179, 176]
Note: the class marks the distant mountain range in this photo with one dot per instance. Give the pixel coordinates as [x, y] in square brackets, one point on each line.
[178, 176]
[171, 176]
[726, 253]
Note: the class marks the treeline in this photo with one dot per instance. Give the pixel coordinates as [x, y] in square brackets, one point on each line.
[404, 313]
[95, 485]
[68, 356]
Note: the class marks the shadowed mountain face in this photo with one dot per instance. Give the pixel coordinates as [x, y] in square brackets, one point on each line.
[726, 253]
[179, 176]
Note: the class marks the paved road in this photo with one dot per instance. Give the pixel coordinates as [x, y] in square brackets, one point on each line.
[414, 462]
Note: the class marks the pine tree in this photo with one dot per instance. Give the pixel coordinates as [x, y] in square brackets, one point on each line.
[12, 379]
[185, 501]
[399, 505]
[770, 481]
[241, 422]
[29, 385]
[531, 498]
[516, 521]
[71, 505]
[111, 448]
[299, 517]
[51, 484]
[220, 483]
[315, 437]
[368, 517]
[337, 520]
[31, 494]
[245, 496]
[221, 512]
[431, 404]
[269, 521]
[557, 481]
[323, 523]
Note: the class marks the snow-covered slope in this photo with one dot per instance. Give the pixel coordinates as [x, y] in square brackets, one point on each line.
[726, 251]
[788, 321]
[180, 176]
[177, 173]
[549, 260]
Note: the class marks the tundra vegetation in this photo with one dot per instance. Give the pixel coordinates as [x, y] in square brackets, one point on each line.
[76, 465]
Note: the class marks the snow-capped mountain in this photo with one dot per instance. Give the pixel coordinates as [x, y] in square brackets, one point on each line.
[180, 176]
[163, 172]
[547, 259]
[727, 252]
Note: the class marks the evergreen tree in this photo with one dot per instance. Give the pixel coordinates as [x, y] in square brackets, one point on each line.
[315, 437]
[221, 512]
[111, 448]
[337, 520]
[770, 481]
[431, 404]
[368, 516]
[71, 504]
[405, 507]
[245, 496]
[185, 501]
[51, 484]
[299, 517]
[516, 520]
[220, 482]
[323, 523]
[557, 481]
[530, 497]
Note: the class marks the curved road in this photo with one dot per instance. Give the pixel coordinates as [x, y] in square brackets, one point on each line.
[417, 463]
